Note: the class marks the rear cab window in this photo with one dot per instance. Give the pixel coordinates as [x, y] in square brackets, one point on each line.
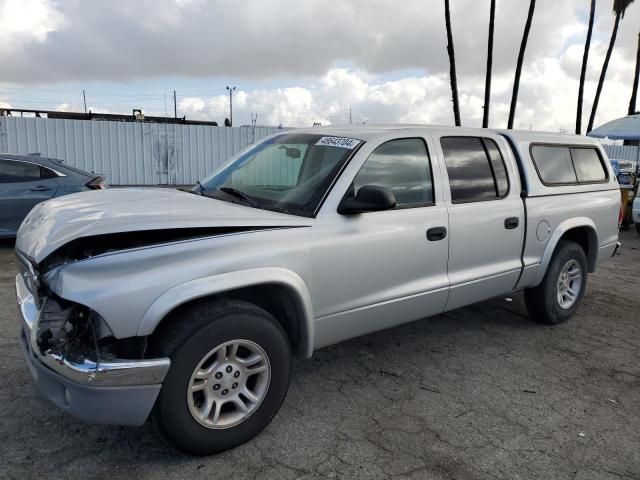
[588, 165]
[568, 164]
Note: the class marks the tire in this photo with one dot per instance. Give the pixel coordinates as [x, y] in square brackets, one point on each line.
[638, 227]
[543, 302]
[206, 328]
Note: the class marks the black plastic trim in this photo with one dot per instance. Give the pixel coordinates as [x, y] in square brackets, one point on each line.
[524, 194]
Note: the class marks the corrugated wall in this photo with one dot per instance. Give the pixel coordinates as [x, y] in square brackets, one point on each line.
[622, 152]
[130, 153]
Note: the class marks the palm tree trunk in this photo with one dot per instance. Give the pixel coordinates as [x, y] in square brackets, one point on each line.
[487, 83]
[603, 72]
[452, 65]
[523, 47]
[634, 92]
[583, 72]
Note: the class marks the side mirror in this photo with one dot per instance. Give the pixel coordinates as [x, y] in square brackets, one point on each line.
[291, 152]
[370, 198]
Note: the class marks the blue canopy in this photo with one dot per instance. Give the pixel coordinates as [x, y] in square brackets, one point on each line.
[624, 128]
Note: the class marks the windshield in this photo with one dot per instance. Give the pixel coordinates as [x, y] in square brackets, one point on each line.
[288, 173]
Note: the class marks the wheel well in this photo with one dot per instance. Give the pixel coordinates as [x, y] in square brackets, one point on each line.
[585, 237]
[276, 299]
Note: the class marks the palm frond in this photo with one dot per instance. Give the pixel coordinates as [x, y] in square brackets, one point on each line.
[620, 6]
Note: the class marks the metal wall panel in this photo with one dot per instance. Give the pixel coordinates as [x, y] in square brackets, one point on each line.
[130, 153]
[622, 152]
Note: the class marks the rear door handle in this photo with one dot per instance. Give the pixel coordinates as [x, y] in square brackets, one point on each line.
[40, 188]
[511, 223]
[436, 233]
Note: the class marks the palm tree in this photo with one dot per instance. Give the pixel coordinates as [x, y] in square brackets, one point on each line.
[619, 7]
[487, 84]
[452, 65]
[516, 81]
[583, 72]
[634, 92]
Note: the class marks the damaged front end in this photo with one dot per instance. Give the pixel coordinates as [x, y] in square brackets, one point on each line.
[75, 342]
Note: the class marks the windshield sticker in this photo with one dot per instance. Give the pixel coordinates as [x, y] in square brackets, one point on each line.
[341, 142]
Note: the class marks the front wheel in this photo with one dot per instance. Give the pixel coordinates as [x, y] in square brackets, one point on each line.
[561, 291]
[230, 369]
[638, 227]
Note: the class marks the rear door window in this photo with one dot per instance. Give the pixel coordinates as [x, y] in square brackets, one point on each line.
[476, 169]
[15, 172]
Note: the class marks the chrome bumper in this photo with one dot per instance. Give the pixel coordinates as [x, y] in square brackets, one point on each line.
[88, 372]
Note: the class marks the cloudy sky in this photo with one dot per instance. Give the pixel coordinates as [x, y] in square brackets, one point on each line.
[298, 62]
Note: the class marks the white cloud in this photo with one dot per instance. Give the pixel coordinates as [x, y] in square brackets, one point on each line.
[547, 101]
[333, 55]
[24, 20]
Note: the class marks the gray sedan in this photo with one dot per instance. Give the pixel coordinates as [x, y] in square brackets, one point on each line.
[26, 180]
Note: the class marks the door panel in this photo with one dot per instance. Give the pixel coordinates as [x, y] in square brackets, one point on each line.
[17, 200]
[486, 217]
[377, 270]
[484, 255]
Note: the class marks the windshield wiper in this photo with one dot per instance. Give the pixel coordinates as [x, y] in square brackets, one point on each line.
[241, 195]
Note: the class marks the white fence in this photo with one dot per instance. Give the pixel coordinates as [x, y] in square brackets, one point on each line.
[622, 152]
[130, 153]
[141, 153]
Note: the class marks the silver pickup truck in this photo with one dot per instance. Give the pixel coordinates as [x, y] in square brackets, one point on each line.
[189, 306]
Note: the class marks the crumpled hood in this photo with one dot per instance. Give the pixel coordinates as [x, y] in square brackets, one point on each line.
[54, 223]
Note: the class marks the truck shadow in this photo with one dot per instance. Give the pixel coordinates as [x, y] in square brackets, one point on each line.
[7, 243]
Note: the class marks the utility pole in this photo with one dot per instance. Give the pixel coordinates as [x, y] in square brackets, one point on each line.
[231, 89]
[175, 105]
[166, 115]
[349, 115]
[254, 121]
[84, 97]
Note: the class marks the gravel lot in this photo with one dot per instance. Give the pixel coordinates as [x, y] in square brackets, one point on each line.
[478, 393]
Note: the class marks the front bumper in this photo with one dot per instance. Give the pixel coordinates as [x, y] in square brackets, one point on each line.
[115, 392]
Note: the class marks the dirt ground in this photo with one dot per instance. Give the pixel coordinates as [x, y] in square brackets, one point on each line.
[478, 393]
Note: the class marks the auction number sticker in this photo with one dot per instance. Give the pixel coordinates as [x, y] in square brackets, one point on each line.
[341, 142]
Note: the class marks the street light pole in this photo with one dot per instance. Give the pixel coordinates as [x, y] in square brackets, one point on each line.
[231, 89]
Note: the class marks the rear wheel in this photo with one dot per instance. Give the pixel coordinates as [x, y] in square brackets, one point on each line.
[561, 291]
[230, 369]
[638, 227]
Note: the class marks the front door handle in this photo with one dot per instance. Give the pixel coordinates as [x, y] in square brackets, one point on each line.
[436, 233]
[40, 188]
[511, 223]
